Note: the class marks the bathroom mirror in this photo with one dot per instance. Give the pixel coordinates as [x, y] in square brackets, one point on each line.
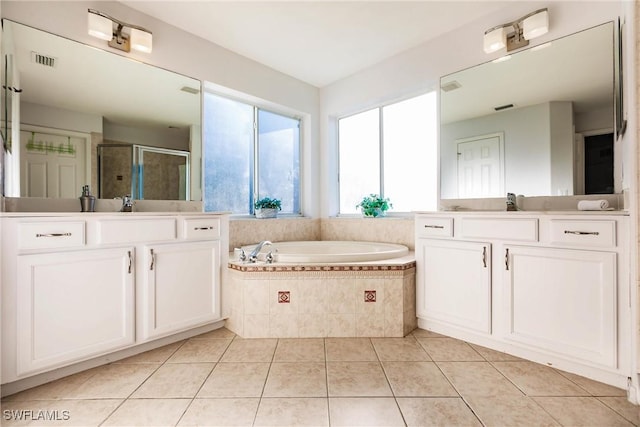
[539, 122]
[73, 97]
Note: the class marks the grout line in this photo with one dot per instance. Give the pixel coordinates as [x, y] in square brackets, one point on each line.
[264, 386]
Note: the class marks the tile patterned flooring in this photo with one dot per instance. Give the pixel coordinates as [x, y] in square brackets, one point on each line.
[219, 379]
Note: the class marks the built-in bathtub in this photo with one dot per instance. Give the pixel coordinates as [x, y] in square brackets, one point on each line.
[330, 251]
[323, 289]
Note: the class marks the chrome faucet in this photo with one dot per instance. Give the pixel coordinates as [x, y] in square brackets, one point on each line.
[127, 204]
[253, 256]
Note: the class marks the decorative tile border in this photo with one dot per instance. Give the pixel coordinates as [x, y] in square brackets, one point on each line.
[321, 268]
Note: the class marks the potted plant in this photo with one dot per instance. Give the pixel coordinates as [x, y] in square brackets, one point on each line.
[373, 206]
[267, 207]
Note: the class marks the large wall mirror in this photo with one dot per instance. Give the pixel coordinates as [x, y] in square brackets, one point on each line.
[67, 104]
[539, 122]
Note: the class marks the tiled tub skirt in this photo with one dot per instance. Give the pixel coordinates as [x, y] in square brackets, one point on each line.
[373, 299]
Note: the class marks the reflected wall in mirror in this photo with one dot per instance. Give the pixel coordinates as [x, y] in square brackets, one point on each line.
[72, 93]
[539, 122]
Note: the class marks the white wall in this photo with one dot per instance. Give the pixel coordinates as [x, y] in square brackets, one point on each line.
[179, 51]
[57, 118]
[419, 70]
[527, 149]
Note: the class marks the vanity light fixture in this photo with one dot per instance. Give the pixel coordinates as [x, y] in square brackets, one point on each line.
[101, 26]
[516, 34]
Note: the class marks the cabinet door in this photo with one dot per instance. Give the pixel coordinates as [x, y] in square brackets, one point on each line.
[562, 301]
[73, 305]
[180, 287]
[454, 283]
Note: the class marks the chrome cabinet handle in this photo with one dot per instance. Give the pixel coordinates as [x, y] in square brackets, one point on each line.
[484, 256]
[582, 233]
[53, 235]
[153, 260]
[434, 226]
[203, 228]
[506, 259]
[130, 261]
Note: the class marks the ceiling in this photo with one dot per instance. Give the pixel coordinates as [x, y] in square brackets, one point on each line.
[320, 41]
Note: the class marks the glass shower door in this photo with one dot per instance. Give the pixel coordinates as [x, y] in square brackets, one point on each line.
[162, 174]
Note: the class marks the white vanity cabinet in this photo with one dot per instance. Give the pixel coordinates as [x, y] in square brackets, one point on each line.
[562, 301]
[180, 286]
[76, 287]
[454, 295]
[71, 305]
[555, 289]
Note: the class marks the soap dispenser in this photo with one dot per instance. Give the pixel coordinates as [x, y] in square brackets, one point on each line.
[87, 201]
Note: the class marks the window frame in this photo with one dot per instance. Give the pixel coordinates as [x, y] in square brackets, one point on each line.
[380, 108]
[253, 182]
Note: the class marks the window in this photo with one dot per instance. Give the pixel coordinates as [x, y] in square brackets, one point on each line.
[392, 151]
[249, 153]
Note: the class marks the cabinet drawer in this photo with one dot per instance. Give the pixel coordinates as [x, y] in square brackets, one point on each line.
[513, 229]
[201, 228]
[434, 227]
[136, 230]
[46, 235]
[591, 233]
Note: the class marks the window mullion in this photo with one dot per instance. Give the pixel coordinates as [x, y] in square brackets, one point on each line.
[381, 139]
[256, 163]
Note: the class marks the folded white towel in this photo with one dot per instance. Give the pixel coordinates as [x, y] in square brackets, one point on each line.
[593, 205]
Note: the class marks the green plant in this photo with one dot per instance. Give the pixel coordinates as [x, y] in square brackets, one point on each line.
[268, 203]
[374, 205]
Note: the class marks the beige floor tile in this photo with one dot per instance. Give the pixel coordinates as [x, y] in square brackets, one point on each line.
[417, 379]
[114, 381]
[175, 380]
[368, 412]
[625, 408]
[158, 355]
[299, 379]
[449, 350]
[477, 379]
[434, 411]
[293, 412]
[494, 355]
[509, 411]
[595, 388]
[356, 379]
[300, 350]
[235, 380]
[148, 412]
[200, 351]
[400, 349]
[250, 350]
[350, 350]
[581, 411]
[423, 333]
[67, 413]
[222, 333]
[220, 412]
[59, 389]
[538, 380]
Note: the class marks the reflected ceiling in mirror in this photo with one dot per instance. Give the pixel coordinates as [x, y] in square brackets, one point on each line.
[509, 125]
[103, 93]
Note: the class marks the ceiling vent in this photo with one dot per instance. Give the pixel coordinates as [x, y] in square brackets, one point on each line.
[47, 61]
[452, 85]
[504, 107]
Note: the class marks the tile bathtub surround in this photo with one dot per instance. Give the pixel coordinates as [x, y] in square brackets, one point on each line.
[248, 231]
[301, 301]
[411, 381]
